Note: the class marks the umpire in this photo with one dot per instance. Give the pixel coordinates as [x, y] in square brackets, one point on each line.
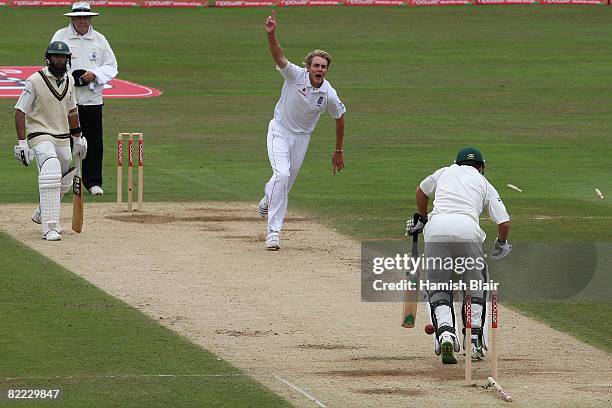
[93, 65]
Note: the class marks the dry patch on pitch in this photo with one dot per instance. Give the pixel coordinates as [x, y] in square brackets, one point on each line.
[296, 314]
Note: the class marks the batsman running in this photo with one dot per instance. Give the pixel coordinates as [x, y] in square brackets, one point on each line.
[45, 118]
[305, 95]
[453, 231]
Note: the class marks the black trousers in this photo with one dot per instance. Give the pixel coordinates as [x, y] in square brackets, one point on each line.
[91, 125]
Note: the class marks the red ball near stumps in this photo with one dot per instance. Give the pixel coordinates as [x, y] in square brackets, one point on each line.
[430, 329]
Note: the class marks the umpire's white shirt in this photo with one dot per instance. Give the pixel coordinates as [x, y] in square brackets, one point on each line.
[90, 52]
[300, 105]
[463, 190]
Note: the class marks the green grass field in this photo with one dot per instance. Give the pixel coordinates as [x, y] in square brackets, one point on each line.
[60, 332]
[529, 85]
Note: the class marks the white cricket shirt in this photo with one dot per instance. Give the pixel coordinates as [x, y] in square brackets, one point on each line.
[90, 52]
[300, 105]
[463, 190]
[46, 104]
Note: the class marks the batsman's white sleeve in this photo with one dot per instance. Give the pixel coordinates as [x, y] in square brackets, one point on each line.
[72, 102]
[428, 185]
[27, 98]
[496, 207]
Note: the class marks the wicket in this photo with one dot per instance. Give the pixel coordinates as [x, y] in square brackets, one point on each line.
[130, 181]
[467, 302]
[492, 380]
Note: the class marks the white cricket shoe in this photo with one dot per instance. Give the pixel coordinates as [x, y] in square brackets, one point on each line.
[478, 352]
[96, 190]
[52, 235]
[273, 241]
[262, 208]
[36, 219]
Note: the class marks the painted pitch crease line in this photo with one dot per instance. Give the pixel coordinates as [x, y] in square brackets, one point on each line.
[300, 390]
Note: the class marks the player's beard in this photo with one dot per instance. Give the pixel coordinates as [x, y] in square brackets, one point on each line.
[57, 71]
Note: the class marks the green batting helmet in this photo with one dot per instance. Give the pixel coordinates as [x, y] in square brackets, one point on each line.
[469, 154]
[57, 47]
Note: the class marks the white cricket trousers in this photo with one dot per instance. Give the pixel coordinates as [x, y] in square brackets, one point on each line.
[455, 232]
[286, 152]
[47, 150]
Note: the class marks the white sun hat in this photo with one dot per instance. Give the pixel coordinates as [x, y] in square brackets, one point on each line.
[81, 9]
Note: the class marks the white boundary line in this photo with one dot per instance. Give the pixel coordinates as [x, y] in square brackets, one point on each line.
[62, 377]
[300, 390]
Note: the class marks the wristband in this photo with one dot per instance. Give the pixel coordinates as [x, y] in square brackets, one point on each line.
[501, 242]
[339, 150]
[75, 131]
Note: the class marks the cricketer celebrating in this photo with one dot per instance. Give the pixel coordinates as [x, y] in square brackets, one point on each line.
[46, 117]
[461, 193]
[304, 96]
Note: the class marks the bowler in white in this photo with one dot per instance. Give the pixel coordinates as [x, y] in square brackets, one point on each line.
[305, 95]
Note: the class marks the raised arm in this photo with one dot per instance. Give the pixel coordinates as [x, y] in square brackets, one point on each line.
[275, 48]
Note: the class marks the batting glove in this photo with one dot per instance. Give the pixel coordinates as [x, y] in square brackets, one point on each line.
[79, 147]
[416, 224]
[501, 249]
[23, 153]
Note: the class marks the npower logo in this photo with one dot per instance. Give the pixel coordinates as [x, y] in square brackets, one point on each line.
[295, 2]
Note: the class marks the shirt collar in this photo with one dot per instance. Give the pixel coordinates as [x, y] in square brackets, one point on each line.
[50, 75]
[74, 34]
[312, 88]
[320, 89]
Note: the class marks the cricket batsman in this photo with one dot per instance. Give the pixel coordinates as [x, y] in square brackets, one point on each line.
[45, 118]
[452, 229]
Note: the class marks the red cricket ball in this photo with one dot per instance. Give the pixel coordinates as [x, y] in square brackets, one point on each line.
[430, 329]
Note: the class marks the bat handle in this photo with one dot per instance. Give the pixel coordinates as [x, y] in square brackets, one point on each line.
[415, 246]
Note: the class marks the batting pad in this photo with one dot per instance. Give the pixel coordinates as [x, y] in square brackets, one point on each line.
[49, 183]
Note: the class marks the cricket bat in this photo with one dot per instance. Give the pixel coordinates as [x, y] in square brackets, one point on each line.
[411, 297]
[77, 198]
